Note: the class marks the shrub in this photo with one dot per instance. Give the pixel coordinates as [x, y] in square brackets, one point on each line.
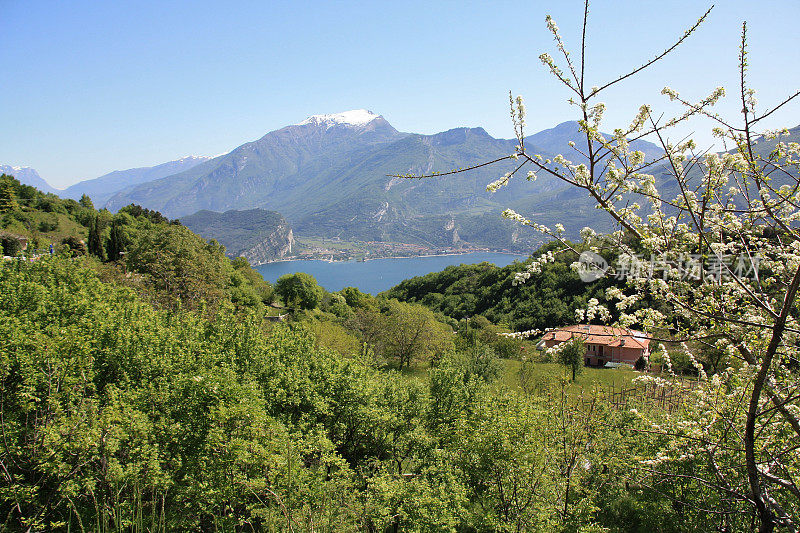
[74, 246]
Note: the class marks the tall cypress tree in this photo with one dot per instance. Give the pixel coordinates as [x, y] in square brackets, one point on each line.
[95, 242]
[7, 196]
[117, 241]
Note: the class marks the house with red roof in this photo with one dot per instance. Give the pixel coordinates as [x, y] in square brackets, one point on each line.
[604, 344]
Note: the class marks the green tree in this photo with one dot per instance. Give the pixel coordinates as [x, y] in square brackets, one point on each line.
[255, 282]
[400, 333]
[95, 244]
[354, 297]
[571, 354]
[411, 332]
[86, 202]
[117, 241]
[299, 290]
[8, 200]
[179, 264]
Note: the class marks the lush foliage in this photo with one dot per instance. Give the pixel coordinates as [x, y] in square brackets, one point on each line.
[145, 250]
[401, 333]
[299, 290]
[547, 300]
[153, 395]
[118, 415]
[41, 218]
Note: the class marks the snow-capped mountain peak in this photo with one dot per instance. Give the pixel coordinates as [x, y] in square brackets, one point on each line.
[356, 117]
[13, 168]
[27, 176]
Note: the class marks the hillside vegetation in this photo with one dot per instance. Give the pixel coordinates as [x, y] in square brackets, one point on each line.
[256, 234]
[155, 392]
[547, 300]
[119, 415]
[137, 247]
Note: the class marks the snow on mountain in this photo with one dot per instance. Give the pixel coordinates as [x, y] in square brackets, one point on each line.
[356, 117]
[28, 176]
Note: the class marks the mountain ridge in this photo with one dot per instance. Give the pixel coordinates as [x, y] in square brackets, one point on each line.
[329, 175]
[100, 189]
[28, 176]
[257, 235]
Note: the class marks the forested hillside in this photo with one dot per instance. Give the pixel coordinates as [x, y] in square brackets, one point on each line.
[118, 415]
[136, 247]
[547, 300]
[256, 234]
[148, 386]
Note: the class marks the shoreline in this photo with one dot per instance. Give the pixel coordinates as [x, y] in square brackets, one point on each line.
[394, 257]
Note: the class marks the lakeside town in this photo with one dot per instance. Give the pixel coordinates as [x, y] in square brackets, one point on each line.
[336, 250]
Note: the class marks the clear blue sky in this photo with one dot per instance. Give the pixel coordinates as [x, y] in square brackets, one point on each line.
[90, 87]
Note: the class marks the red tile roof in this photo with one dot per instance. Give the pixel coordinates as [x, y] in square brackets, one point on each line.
[605, 335]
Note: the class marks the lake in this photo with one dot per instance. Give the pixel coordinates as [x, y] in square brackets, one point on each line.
[377, 275]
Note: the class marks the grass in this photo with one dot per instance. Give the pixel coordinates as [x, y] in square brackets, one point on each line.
[553, 372]
[418, 371]
[65, 227]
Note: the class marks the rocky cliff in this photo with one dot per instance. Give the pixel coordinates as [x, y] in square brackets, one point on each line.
[276, 245]
[255, 234]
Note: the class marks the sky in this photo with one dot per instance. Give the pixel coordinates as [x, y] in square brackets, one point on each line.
[91, 87]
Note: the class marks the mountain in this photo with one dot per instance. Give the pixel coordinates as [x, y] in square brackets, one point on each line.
[329, 176]
[102, 188]
[762, 148]
[556, 140]
[256, 234]
[28, 176]
[262, 173]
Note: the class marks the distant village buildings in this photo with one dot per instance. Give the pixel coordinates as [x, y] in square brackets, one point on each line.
[604, 344]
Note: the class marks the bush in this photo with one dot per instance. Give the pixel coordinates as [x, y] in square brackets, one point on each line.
[299, 290]
[11, 246]
[50, 204]
[74, 246]
[46, 226]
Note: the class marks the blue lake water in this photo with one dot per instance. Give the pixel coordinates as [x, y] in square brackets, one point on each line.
[377, 275]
